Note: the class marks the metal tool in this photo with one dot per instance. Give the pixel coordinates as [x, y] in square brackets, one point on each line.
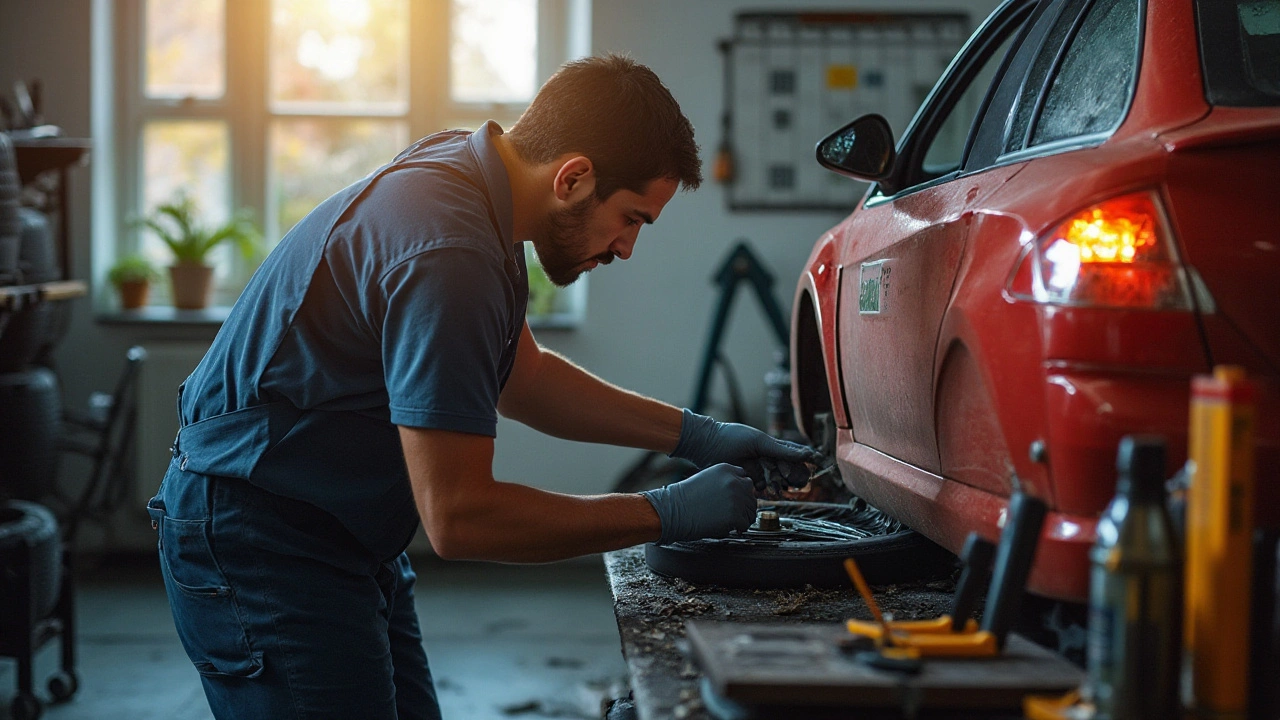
[888, 656]
[1013, 557]
[851, 567]
[976, 555]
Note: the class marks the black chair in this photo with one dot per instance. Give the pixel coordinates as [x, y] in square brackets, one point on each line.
[36, 602]
[105, 435]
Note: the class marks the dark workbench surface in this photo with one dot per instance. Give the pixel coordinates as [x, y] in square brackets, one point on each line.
[652, 610]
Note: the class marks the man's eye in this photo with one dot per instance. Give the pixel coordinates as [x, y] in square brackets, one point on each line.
[633, 221]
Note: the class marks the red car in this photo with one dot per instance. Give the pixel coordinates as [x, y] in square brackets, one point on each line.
[1083, 214]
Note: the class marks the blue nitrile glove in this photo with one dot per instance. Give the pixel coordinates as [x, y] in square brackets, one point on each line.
[708, 504]
[704, 442]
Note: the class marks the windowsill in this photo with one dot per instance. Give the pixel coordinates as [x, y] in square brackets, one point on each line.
[165, 315]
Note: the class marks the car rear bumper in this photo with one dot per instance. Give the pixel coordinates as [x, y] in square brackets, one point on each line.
[1090, 410]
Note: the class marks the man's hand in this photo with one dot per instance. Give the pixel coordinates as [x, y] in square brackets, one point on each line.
[704, 442]
[709, 504]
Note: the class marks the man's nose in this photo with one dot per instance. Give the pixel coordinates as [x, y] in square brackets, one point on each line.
[622, 247]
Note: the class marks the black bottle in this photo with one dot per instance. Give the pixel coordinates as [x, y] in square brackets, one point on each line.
[1135, 599]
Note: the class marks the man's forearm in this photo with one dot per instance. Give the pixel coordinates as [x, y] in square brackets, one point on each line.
[506, 522]
[566, 401]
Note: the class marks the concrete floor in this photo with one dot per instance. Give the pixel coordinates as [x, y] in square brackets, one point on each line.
[503, 641]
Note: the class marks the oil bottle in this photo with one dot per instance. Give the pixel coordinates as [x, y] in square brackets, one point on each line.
[1135, 594]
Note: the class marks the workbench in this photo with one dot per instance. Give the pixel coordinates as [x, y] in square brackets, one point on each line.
[652, 610]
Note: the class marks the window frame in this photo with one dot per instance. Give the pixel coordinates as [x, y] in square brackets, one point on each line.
[948, 91]
[246, 110]
[1025, 151]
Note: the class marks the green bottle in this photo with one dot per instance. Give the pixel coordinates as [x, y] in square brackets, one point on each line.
[1135, 607]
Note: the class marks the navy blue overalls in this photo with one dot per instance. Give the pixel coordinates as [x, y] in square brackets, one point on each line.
[286, 508]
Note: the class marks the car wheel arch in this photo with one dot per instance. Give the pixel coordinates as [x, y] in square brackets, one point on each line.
[811, 393]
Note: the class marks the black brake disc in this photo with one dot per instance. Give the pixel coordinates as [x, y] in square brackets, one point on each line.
[809, 548]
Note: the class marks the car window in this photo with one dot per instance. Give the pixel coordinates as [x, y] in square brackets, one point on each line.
[936, 141]
[947, 148]
[1240, 51]
[1092, 89]
[1030, 92]
[988, 137]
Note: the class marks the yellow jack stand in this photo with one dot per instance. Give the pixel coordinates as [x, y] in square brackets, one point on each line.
[928, 638]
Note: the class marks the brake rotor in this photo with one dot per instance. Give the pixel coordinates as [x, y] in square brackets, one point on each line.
[807, 548]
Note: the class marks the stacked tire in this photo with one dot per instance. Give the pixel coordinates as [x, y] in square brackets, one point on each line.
[30, 418]
[30, 401]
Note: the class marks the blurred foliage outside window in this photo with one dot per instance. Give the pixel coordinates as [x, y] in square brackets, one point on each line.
[338, 89]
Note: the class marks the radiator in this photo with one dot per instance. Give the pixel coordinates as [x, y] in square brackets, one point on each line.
[167, 365]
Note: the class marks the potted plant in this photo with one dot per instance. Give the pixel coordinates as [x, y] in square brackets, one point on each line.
[178, 225]
[132, 277]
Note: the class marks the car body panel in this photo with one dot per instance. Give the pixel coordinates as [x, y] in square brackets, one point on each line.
[907, 253]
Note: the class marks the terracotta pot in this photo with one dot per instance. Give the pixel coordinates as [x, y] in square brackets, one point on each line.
[192, 286]
[134, 295]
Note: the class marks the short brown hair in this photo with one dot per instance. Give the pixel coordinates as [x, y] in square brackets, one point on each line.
[616, 112]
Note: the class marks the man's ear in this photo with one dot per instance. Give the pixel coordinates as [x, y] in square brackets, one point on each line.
[575, 180]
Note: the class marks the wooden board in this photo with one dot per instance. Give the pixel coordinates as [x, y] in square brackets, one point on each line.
[802, 665]
[15, 295]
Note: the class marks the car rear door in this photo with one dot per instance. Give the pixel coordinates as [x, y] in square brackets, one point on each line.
[901, 252]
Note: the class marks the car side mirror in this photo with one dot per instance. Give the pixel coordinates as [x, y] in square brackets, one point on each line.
[863, 149]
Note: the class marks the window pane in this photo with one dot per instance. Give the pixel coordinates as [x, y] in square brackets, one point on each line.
[493, 54]
[1039, 74]
[186, 54]
[550, 305]
[349, 53]
[947, 147]
[1093, 87]
[186, 156]
[312, 159]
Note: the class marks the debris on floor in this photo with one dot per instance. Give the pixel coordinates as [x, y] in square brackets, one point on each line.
[788, 602]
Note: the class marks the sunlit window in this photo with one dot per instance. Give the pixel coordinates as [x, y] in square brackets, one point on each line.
[492, 50]
[346, 56]
[188, 157]
[272, 106]
[185, 48]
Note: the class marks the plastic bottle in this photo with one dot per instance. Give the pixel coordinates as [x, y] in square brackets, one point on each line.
[1135, 594]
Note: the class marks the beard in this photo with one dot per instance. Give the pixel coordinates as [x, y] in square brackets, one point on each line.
[561, 242]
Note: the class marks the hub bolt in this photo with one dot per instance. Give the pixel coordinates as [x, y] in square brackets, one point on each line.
[767, 521]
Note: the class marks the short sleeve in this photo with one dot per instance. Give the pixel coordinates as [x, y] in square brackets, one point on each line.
[443, 335]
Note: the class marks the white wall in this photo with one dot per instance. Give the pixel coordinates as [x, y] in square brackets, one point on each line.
[646, 318]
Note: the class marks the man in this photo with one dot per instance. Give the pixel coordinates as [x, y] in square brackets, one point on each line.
[354, 390]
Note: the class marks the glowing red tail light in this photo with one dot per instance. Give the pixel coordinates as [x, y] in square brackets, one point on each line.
[1118, 253]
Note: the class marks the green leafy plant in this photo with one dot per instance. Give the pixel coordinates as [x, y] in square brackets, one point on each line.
[132, 269]
[542, 293]
[178, 225]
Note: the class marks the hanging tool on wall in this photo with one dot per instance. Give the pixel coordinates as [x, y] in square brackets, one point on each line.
[724, 170]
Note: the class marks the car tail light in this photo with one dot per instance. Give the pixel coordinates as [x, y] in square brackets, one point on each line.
[1118, 253]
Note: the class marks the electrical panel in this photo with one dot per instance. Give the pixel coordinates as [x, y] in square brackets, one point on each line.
[793, 78]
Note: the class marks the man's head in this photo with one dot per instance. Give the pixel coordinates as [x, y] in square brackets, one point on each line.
[619, 146]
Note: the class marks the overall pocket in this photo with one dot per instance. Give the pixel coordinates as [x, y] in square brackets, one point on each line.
[203, 604]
